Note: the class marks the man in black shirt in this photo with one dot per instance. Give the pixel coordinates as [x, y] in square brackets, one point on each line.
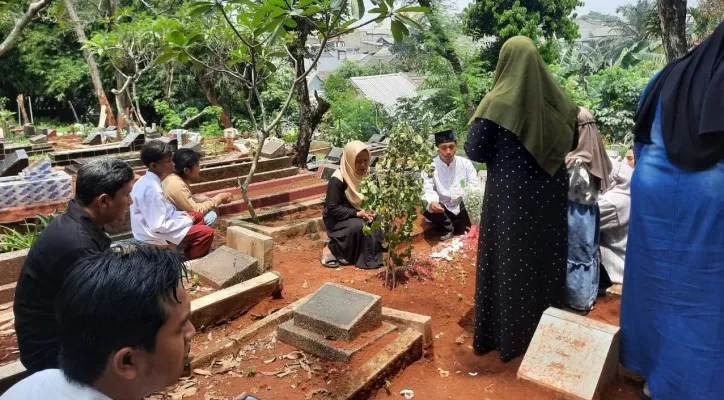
[102, 196]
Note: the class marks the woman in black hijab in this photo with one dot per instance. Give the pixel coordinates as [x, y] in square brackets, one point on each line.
[672, 313]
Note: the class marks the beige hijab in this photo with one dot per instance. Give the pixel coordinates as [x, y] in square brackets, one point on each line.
[347, 173]
[591, 150]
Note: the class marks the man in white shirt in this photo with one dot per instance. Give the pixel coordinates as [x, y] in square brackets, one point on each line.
[154, 220]
[443, 192]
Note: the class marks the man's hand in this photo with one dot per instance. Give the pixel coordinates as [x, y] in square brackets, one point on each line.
[224, 198]
[436, 208]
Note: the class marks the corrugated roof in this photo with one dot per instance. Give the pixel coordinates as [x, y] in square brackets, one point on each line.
[385, 89]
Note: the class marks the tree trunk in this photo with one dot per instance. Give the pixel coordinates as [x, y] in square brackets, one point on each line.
[672, 14]
[310, 115]
[12, 38]
[208, 88]
[21, 103]
[445, 48]
[92, 65]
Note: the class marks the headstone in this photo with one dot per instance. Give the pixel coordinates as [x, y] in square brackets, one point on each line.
[373, 161]
[377, 138]
[241, 147]
[173, 142]
[273, 148]
[94, 138]
[43, 131]
[335, 155]
[571, 354]
[195, 146]
[231, 133]
[102, 118]
[226, 267]
[38, 139]
[29, 130]
[259, 246]
[311, 158]
[340, 311]
[14, 163]
[133, 139]
[325, 171]
[319, 145]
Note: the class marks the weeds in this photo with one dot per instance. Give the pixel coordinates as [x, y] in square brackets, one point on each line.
[12, 240]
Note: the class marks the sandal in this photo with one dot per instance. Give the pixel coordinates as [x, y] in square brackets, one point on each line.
[330, 261]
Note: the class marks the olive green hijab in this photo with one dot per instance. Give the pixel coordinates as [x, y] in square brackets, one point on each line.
[526, 100]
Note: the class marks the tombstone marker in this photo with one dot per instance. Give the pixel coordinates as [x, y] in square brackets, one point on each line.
[571, 354]
[38, 139]
[14, 163]
[273, 149]
[29, 130]
[325, 171]
[377, 138]
[335, 155]
[94, 138]
[226, 267]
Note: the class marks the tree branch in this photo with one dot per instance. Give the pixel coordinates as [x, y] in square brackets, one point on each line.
[14, 35]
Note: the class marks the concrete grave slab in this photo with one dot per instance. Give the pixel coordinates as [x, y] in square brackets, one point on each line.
[94, 138]
[225, 267]
[573, 355]
[241, 146]
[335, 155]
[377, 138]
[28, 130]
[325, 171]
[340, 311]
[173, 142]
[134, 139]
[38, 139]
[318, 345]
[273, 148]
[257, 245]
[10, 265]
[14, 163]
[195, 146]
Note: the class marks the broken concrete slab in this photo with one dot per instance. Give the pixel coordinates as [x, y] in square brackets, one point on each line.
[255, 244]
[396, 356]
[320, 346]
[29, 130]
[10, 265]
[173, 142]
[226, 303]
[14, 163]
[38, 139]
[7, 292]
[340, 311]
[377, 138]
[273, 148]
[573, 355]
[225, 267]
[195, 146]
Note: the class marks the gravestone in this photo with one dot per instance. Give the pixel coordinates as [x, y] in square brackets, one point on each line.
[38, 139]
[195, 146]
[134, 139]
[94, 138]
[259, 246]
[325, 171]
[111, 128]
[334, 312]
[226, 267]
[231, 133]
[14, 163]
[173, 142]
[43, 131]
[273, 149]
[377, 138]
[335, 155]
[571, 354]
[240, 146]
[373, 161]
[29, 130]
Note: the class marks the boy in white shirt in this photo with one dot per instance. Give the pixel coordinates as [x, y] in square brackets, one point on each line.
[444, 191]
[154, 220]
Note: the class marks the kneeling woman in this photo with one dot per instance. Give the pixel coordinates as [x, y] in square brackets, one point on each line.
[344, 218]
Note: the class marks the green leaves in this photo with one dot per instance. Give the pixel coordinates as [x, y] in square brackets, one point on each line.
[358, 8]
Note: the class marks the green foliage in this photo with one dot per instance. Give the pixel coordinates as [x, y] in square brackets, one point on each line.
[394, 193]
[537, 19]
[169, 118]
[291, 136]
[353, 118]
[12, 240]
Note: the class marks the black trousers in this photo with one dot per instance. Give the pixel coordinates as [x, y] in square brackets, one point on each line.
[448, 222]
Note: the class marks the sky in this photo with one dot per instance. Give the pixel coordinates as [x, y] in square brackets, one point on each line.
[602, 6]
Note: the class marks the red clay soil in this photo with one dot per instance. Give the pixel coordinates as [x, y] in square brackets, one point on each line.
[302, 183]
[446, 295]
[67, 142]
[295, 216]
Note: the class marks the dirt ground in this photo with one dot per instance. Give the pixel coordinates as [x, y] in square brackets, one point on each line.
[446, 294]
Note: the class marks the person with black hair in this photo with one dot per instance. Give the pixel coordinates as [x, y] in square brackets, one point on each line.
[444, 189]
[154, 220]
[101, 197]
[176, 187]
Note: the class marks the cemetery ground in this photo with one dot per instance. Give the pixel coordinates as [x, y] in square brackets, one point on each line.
[448, 370]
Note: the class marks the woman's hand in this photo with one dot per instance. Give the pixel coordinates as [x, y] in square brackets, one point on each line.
[366, 215]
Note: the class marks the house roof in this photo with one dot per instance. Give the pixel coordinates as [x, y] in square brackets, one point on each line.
[385, 89]
[383, 56]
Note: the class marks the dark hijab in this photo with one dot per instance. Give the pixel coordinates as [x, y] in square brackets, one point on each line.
[691, 90]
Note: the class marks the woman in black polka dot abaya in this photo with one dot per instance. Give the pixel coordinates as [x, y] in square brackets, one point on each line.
[522, 129]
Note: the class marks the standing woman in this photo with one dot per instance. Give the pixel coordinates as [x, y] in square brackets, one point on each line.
[589, 170]
[672, 310]
[523, 129]
[344, 217]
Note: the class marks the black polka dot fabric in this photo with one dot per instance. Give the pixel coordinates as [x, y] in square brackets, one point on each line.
[521, 268]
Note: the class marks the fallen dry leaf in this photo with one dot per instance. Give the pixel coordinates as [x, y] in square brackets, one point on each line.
[199, 371]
